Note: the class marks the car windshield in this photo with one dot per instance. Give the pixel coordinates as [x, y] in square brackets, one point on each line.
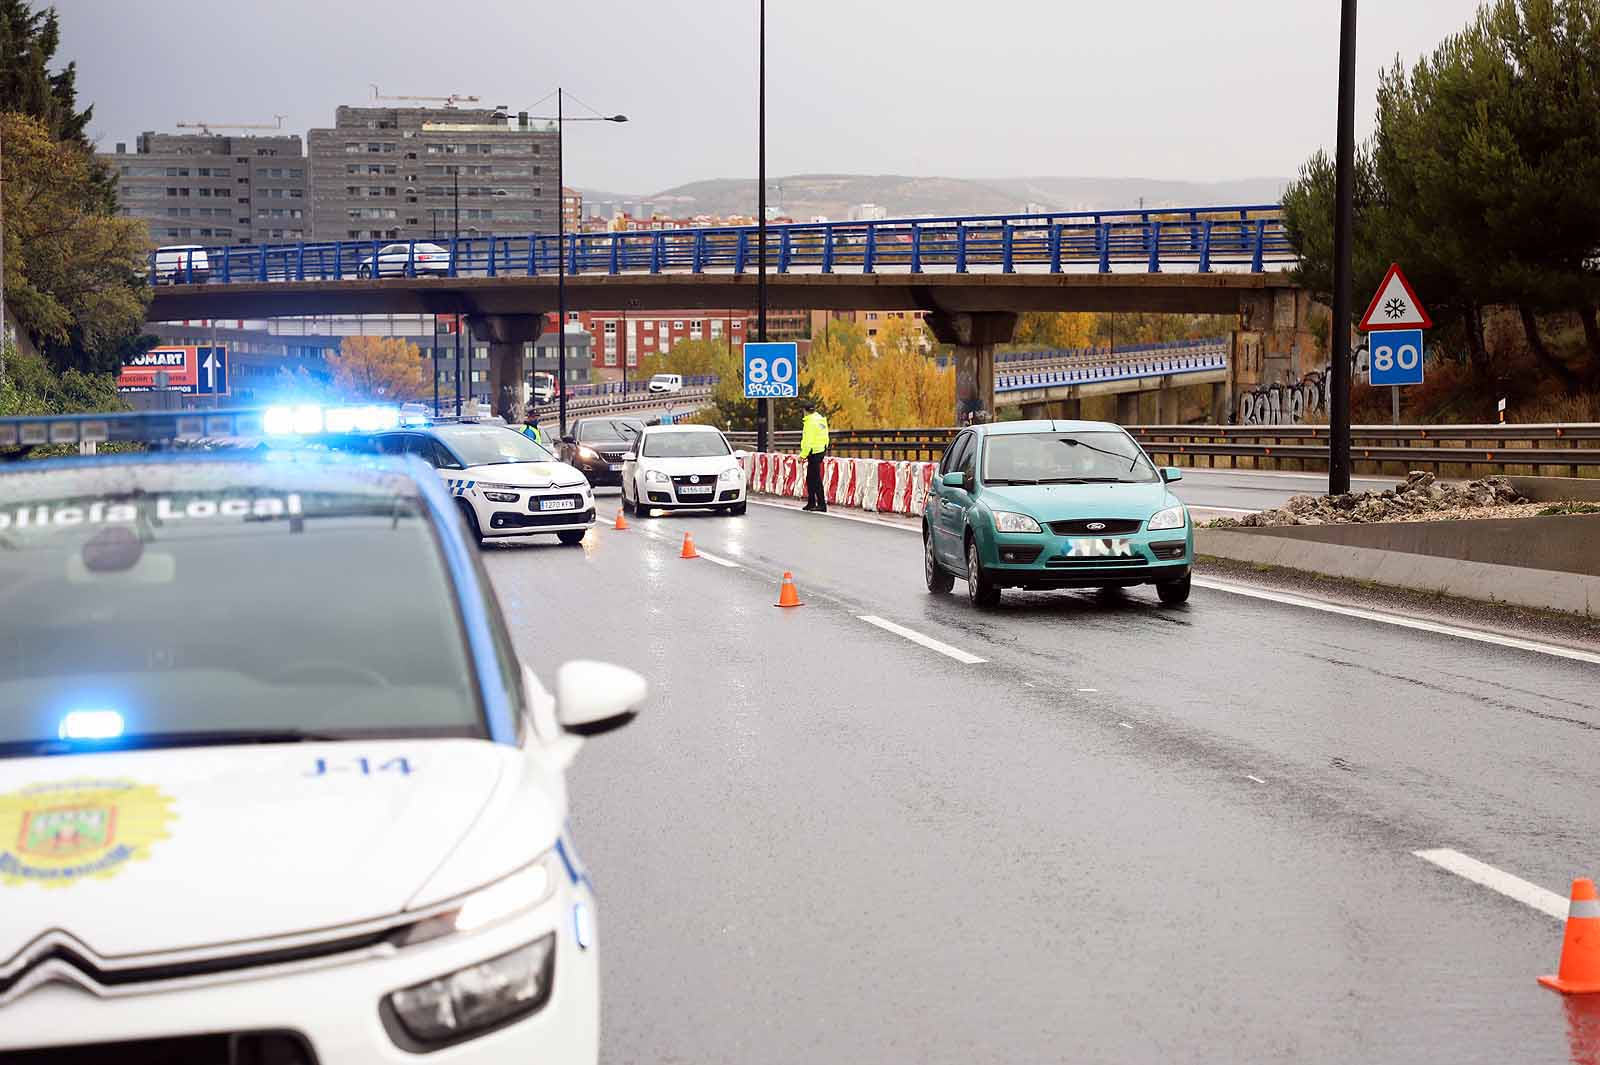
[1086, 457]
[224, 602]
[663, 379]
[684, 445]
[492, 445]
[608, 431]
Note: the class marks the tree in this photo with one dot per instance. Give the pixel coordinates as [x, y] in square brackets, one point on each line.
[691, 358]
[378, 369]
[28, 43]
[30, 386]
[1063, 330]
[74, 270]
[896, 385]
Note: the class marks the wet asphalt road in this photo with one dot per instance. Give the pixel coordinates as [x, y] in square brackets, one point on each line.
[1134, 833]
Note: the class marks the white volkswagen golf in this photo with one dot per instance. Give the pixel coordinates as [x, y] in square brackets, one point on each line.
[274, 786]
[677, 467]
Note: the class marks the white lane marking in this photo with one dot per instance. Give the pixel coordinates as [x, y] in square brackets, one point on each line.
[1124, 724]
[926, 641]
[1513, 887]
[1402, 622]
[839, 517]
[1087, 691]
[1258, 780]
[709, 557]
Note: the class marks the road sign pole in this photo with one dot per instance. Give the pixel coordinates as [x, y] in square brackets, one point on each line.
[1394, 404]
[1343, 242]
[763, 406]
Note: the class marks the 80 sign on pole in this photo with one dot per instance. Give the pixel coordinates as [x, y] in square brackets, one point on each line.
[1394, 357]
[771, 371]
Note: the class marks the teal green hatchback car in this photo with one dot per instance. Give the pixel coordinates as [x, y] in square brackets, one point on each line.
[1054, 504]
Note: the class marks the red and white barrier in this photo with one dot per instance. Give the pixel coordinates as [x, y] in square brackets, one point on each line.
[870, 484]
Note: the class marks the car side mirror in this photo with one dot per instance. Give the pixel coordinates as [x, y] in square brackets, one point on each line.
[1171, 473]
[740, 456]
[955, 479]
[596, 697]
[631, 456]
[569, 440]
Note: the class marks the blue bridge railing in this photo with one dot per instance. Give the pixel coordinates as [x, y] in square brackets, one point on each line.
[1180, 357]
[1198, 239]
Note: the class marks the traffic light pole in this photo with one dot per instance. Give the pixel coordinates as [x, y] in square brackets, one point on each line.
[1343, 252]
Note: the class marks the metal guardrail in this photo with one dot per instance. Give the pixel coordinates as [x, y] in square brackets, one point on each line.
[633, 388]
[620, 402]
[1571, 450]
[1191, 238]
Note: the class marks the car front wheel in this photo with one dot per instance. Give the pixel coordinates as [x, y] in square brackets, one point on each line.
[571, 536]
[981, 588]
[1174, 592]
[470, 517]
[939, 579]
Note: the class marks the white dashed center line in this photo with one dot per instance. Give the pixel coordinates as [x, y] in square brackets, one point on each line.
[926, 641]
[1512, 887]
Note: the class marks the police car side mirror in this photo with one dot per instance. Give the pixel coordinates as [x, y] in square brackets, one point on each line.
[596, 697]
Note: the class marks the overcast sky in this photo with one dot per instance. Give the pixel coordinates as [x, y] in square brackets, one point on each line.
[1173, 89]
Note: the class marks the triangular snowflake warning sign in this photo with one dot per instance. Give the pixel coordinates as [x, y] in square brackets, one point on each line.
[1395, 306]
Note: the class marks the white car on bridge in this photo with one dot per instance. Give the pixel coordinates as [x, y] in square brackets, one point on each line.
[679, 467]
[393, 260]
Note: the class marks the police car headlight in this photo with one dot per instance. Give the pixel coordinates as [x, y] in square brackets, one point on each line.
[1007, 522]
[457, 1005]
[733, 473]
[522, 890]
[1171, 518]
[655, 477]
[500, 497]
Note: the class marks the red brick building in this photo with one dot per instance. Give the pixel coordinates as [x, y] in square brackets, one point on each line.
[634, 335]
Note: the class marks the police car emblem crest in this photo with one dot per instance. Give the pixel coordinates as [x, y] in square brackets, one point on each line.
[59, 833]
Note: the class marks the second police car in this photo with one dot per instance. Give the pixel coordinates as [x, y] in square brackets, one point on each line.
[259, 800]
[503, 483]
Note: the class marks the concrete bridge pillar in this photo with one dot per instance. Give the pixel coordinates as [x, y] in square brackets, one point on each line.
[507, 335]
[1274, 344]
[1127, 408]
[974, 335]
[1170, 403]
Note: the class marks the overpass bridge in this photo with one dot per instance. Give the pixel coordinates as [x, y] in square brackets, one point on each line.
[972, 275]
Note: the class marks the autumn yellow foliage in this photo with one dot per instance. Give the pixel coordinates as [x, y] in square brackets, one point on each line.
[378, 369]
[891, 381]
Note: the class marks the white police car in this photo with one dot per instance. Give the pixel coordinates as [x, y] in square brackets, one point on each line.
[504, 483]
[259, 800]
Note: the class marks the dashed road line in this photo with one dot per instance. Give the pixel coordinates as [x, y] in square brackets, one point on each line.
[1513, 642]
[1124, 724]
[709, 557]
[926, 641]
[840, 517]
[1512, 887]
[1257, 779]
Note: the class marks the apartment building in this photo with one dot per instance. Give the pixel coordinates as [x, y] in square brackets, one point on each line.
[385, 173]
[204, 188]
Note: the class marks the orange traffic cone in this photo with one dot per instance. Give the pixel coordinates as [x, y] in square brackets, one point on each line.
[688, 547]
[621, 522]
[1580, 951]
[788, 595]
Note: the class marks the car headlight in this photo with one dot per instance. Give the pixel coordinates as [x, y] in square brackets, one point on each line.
[500, 497]
[455, 1006]
[1171, 518]
[656, 477]
[1007, 522]
[732, 473]
[587, 452]
[522, 890]
[499, 493]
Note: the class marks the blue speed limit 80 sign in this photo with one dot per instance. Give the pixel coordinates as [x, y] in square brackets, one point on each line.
[1394, 357]
[771, 371]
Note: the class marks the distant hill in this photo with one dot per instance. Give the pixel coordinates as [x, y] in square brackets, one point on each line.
[805, 196]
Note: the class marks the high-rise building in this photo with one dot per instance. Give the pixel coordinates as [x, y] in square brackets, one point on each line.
[204, 188]
[419, 173]
[572, 208]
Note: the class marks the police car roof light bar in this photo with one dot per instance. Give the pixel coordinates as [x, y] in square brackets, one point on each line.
[141, 427]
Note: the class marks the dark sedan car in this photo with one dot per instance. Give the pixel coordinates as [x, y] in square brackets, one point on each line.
[596, 446]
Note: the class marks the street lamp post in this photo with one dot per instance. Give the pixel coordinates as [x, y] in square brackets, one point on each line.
[763, 406]
[561, 246]
[1343, 249]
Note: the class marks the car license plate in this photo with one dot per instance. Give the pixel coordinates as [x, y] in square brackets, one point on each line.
[558, 504]
[616, 467]
[695, 490]
[1100, 549]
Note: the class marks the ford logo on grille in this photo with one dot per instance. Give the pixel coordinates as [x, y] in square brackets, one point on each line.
[694, 480]
[1095, 526]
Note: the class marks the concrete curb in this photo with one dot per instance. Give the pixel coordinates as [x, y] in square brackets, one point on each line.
[1541, 589]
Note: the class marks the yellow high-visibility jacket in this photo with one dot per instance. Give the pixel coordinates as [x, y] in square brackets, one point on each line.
[813, 434]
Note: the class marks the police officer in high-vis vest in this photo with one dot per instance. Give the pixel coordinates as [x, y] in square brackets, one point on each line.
[813, 446]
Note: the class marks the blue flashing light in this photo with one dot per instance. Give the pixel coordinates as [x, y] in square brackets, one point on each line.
[90, 725]
[308, 419]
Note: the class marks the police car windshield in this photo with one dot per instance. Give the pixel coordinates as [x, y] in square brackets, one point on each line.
[608, 431]
[224, 602]
[684, 445]
[491, 445]
[1065, 458]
